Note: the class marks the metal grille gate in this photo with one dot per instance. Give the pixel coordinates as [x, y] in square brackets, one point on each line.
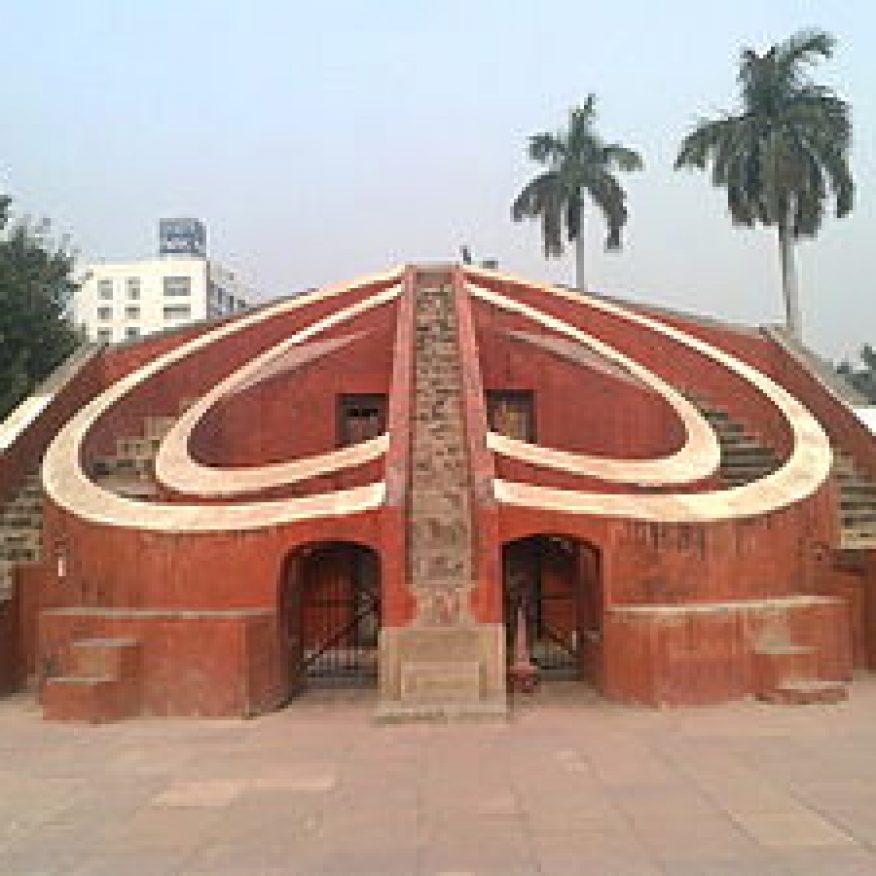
[540, 576]
[339, 616]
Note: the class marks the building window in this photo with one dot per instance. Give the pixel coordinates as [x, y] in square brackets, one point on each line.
[104, 314]
[105, 289]
[104, 335]
[360, 417]
[511, 412]
[177, 287]
[132, 311]
[177, 311]
[133, 286]
[132, 332]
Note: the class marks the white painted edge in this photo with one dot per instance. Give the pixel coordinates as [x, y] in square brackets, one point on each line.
[697, 459]
[806, 469]
[29, 409]
[68, 486]
[175, 467]
[736, 605]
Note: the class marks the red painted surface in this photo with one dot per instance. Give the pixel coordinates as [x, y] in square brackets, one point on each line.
[397, 602]
[9, 645]
[191, 663]
[209, 610]
[486, 596]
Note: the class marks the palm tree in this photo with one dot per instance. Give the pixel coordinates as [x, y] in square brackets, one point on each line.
[784, 154]
[578, 162]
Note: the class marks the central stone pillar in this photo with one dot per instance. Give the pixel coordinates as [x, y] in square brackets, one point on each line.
[444, 663]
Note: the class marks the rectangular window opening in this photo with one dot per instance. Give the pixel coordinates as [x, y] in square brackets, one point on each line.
[360, 417]
[511, 412]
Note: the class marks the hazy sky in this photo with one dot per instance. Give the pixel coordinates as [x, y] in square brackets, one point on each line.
[321, 140]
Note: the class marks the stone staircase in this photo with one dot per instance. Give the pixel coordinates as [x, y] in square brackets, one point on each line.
[101, 682]
[130, 471]
[787, 674]
[857, 503]
[440, 527]
[744, 458]
[21, 524]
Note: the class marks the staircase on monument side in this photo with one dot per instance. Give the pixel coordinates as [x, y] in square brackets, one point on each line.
[130, 471]
[857, 503]
[744, 458]
[440, 529]
[100, 677]
[21, 526]
[787, 671]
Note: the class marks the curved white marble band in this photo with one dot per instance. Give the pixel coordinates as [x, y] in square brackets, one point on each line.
[698, 458]
[805, 470]
[67, 484]
[175, 467]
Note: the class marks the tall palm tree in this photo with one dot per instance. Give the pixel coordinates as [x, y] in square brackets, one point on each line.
[784, 154]
[578, 162]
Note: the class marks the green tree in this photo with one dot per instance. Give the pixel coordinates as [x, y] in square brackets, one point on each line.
[784, 154]
[863, 377]
[35, 288]
[578, 164]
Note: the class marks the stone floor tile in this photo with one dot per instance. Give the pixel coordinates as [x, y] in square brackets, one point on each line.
[568, 786]
[799, 829]
[198, 795]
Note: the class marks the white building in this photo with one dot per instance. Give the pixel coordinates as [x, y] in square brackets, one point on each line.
[120, 301]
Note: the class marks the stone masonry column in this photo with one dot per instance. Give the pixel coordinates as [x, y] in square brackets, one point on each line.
[443, 663]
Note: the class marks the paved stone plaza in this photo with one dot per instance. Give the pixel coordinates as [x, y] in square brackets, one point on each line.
[570, 785]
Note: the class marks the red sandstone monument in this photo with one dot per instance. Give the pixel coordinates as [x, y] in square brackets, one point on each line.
[422, 479]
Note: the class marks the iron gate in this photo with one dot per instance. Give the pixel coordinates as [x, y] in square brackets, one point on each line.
[540, 577]
[339, 616]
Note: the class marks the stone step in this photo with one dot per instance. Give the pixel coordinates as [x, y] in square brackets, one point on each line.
[156, 428]
[855, 514]
[5, 580]
[25, 503]
[135, 448]
[775, 663]
[746, 467]
[132, 487]
[19, 553]
[22, 518]
[759, 456]
[20, 536]
[805, 691]
[112, 657]
[853, 499]
[858, 487]
[751, 451]
[857, 541]
[745, 475]
[92, 699]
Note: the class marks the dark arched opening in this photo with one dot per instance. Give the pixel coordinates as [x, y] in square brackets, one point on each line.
[552, 584]
[330, 615]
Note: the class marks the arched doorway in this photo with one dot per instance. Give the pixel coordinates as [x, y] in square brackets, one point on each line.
[553, 583]
[330, 615]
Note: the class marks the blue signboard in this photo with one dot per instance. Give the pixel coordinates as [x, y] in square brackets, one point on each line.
[182, 237]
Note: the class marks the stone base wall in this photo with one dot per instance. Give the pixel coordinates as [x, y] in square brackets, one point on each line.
[197, 663]
[442, 671]
[709, 653]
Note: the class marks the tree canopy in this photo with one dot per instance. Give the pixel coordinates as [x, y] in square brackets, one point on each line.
[579, 163]
[783, 156]
[863, 376]
[35, 287]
